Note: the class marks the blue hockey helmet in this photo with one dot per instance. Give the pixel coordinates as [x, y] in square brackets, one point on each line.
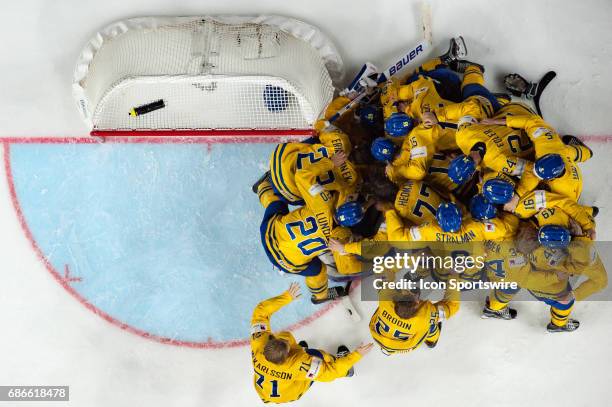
[369, 115]
[276, 98]
[549, 166]
[461, 169]
[398, 124]
[498, 191]
[481, 208]
[554, 236]
[349, 213]
[448, 216]
[383, 149]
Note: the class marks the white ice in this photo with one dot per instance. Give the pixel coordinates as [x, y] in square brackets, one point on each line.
[46, 337]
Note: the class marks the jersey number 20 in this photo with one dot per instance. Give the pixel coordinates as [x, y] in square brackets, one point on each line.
[306, 228]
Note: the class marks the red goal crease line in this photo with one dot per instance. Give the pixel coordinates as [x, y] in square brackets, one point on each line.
[169, 137]
[196, 137]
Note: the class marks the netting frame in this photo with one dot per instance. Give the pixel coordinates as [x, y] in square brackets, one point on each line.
[301, 30]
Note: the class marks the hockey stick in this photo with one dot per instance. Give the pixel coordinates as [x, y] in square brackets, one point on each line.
[546, 79]
[348, 304]
[410, 59]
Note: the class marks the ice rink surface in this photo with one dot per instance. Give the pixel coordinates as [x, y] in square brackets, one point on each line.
[181, 219]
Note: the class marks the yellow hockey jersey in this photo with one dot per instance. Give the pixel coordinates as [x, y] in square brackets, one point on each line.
[548, 208]
[570, 183]
[506, 151]
[292, 239]
[280, 383]
[470, 231]
[437, 174]
[304, 174]
[395, 334]
[547, 141]
[545, 138]
[418, 149]
[417, 202]
[503, 260]
[577, 259]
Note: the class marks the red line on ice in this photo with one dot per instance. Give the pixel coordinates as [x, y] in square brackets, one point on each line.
[68, 278]
[65, 282]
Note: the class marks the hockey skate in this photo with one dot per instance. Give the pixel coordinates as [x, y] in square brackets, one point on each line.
[506, 313]
[265, 177]
[571, 326]
[456, 50]
[333, 293]
[343, 351]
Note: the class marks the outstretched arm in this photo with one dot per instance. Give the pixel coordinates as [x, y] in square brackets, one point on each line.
[260, 321]
[330, 367]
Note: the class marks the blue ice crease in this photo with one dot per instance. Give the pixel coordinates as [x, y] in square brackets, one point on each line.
[164, 237]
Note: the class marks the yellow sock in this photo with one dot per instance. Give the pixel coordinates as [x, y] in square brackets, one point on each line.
[559, 317]
[472, 75]
[318, 284]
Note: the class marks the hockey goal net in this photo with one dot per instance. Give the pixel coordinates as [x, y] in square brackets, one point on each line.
[186, 76]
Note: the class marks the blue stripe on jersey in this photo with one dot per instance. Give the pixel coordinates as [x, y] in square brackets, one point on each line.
[275, 180]
[272, 211]
[264, 243]
[276, 250]
[278, 170]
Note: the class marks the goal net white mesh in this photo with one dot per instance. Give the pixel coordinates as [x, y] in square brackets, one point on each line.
[182, 73]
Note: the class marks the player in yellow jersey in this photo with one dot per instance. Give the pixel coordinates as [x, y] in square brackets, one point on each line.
[293, 242]
[568, 218]
[283, 369]
[415, 201]
[548, 208]
[565, 216]
[524, 261]
[545, 138]
[452, 234]
[556, 157]
[419, 97]
[548, 283]
[362, 236]
[507, 262]
[574, 260]
[402, 321]
[437, 175]
[315, 173]
[415, 155]
[496, 149]
[450, 226]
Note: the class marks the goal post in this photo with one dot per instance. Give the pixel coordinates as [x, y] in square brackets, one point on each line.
[206, 76]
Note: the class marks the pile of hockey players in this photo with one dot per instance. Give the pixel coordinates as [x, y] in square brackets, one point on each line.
[434, 158]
